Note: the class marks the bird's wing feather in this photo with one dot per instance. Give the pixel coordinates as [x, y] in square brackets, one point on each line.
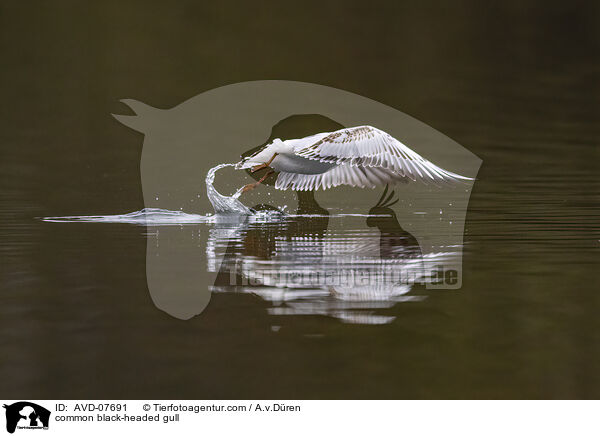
[343, 174]
[369, 147]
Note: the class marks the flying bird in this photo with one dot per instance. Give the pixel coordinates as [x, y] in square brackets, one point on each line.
[362, 156]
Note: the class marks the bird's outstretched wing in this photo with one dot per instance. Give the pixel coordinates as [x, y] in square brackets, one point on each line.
[369, 148]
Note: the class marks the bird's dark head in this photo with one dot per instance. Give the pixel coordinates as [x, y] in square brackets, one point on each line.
[382, 215]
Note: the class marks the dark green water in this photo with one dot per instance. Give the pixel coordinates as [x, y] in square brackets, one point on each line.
[517, 84]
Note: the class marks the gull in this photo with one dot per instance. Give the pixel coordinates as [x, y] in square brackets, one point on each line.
[361, 156]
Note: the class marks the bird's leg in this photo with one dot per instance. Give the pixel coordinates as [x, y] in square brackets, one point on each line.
[264, 165]
[251, 186]
[271, 160]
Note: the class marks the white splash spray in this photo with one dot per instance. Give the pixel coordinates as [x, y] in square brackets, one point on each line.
[221, 203]
[149, 216]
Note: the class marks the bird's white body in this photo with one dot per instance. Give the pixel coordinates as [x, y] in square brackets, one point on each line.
[361, 156]
[286, 159]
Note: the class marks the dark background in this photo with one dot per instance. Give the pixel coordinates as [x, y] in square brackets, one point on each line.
[465, 68]
[515, 82]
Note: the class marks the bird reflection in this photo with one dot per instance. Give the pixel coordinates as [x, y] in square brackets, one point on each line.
[395, 242]
[306, 269]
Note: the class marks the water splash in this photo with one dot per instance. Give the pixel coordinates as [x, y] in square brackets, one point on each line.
[221, 203]
[148, 216]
